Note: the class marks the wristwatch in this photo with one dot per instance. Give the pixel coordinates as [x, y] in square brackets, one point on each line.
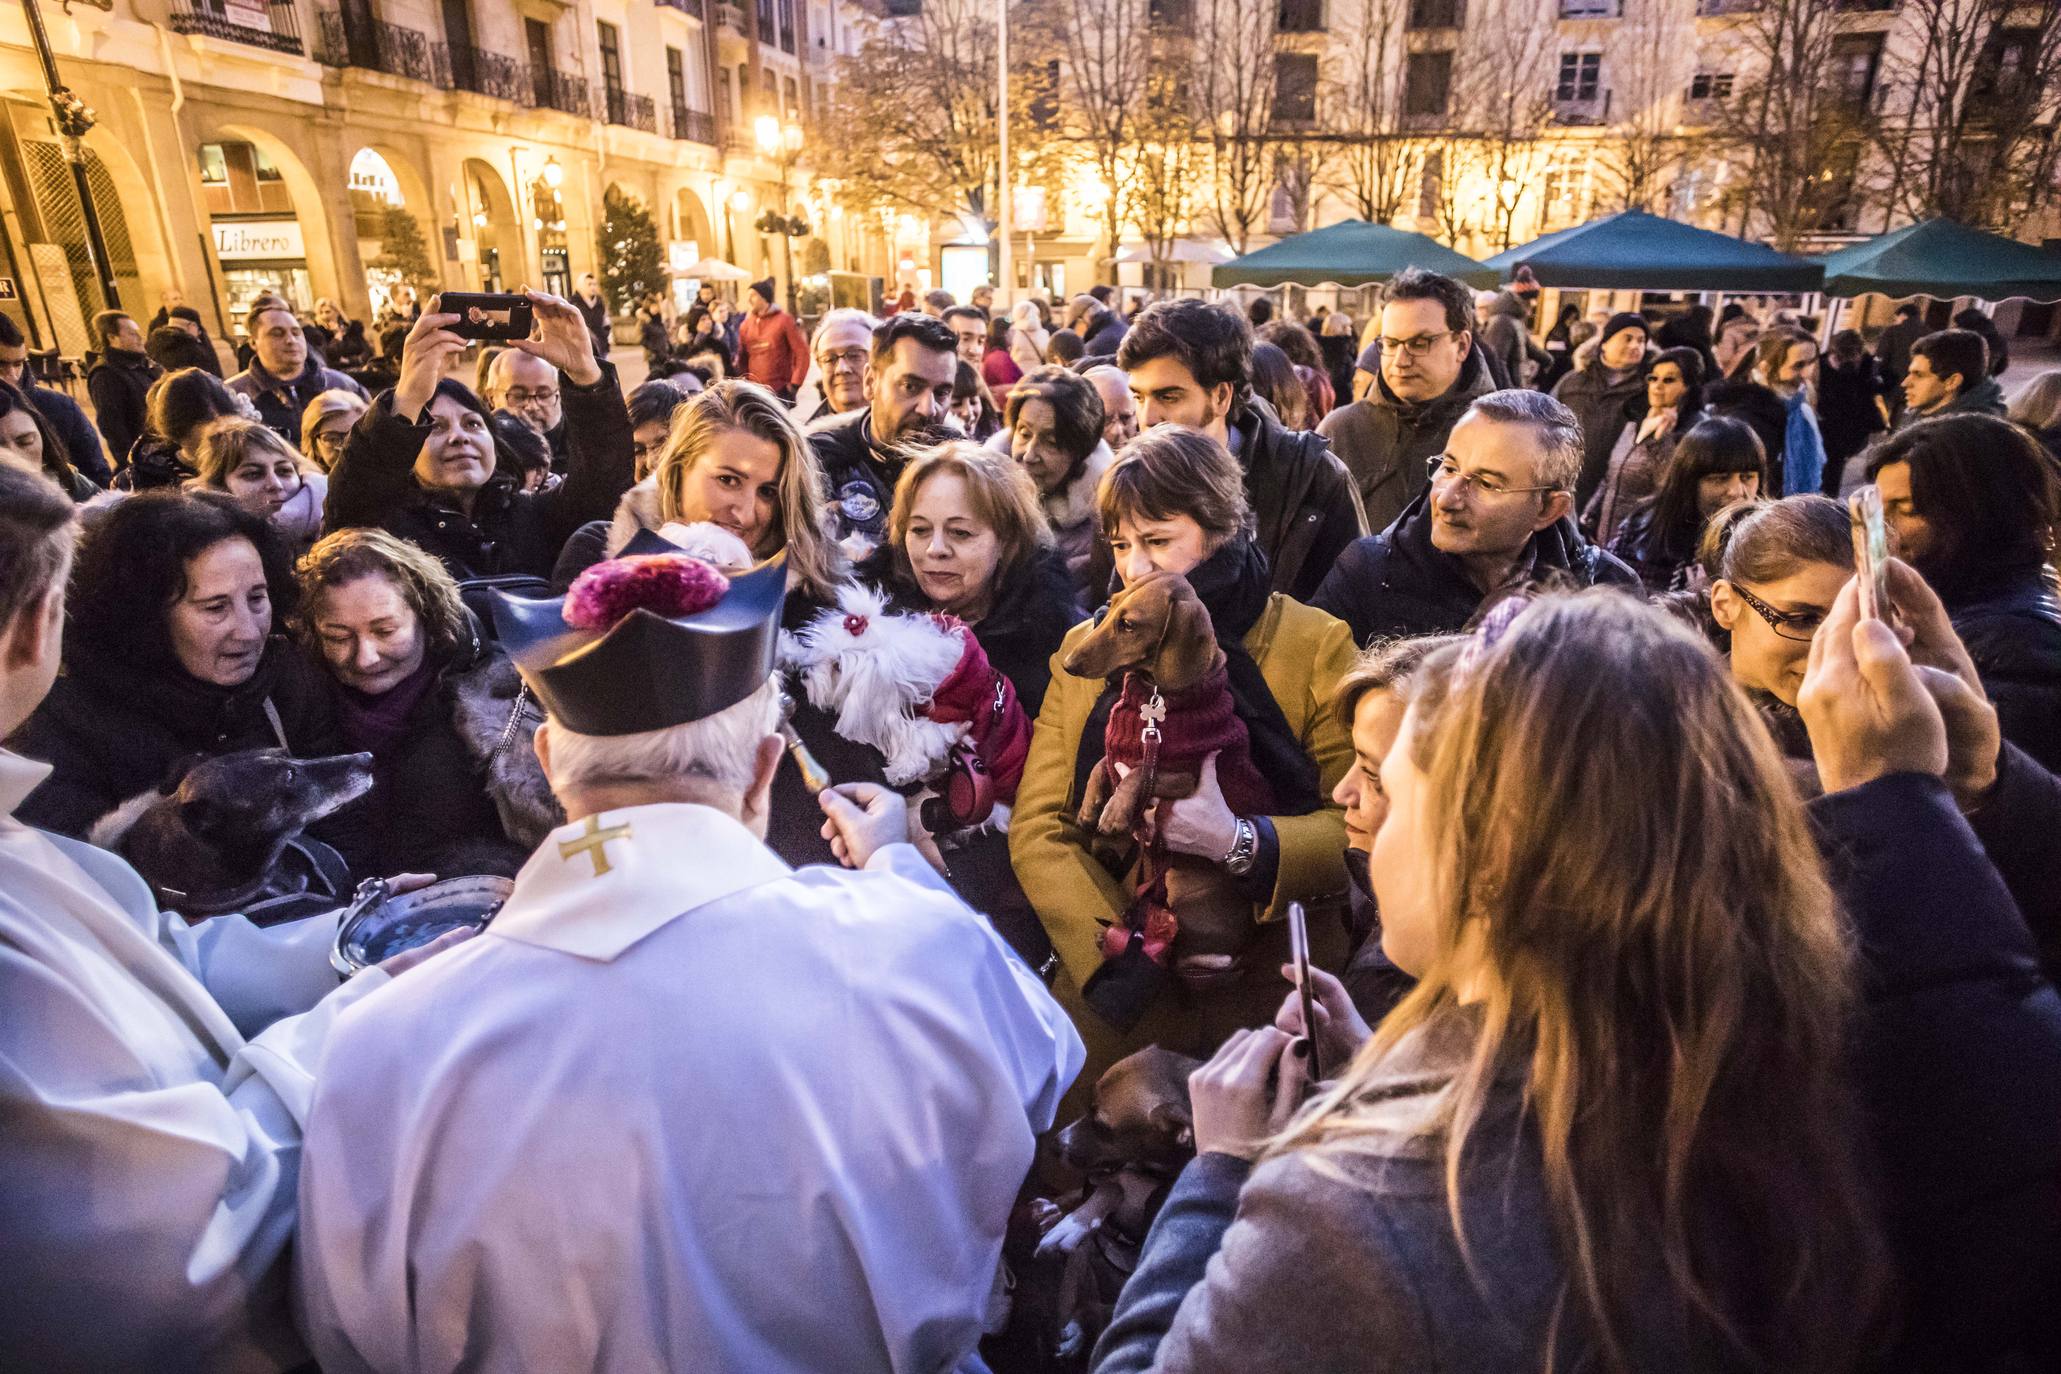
[1244, 849]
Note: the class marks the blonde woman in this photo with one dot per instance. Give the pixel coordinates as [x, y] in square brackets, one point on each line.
[1609, 1128]
[265, 475]
[326, 424]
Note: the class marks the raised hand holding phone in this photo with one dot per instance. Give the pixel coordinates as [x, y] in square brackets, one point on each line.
[1871, 554]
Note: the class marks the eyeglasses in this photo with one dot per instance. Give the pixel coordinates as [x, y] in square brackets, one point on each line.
[521, 396]
[332, 438]
[849, 357]
[1442, 469]
[1801, 626]
[1418, 346]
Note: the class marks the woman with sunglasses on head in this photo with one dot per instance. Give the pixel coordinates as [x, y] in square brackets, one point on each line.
[1653, 424]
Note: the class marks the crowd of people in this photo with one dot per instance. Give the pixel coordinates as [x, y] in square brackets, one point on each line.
[1682, 923]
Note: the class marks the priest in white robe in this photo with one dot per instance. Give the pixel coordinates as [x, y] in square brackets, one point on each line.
[680, 1107]
[153, 1076]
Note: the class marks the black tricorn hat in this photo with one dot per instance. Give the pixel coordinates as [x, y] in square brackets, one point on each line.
[647, 671]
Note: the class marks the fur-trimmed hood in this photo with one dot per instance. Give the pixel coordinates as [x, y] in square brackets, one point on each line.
[638, 510]
[497, 720]
[1072, 507]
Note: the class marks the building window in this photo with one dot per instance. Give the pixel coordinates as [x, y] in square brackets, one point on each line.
[1431, 183]
[1581, 77]
[2008, 61]
[1427, 83]
[794, 110]
[1710, 86]
[1856, 57]
[676, 77]
[1565, 189]
[611, 57]
[1300, 16]
[1437, 14]
[1588, 9]
[1295, 87]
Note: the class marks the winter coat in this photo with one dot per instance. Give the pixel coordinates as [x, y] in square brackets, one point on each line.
[1027, 347]
[599, 540]
[81, 441]
[458, 789]
[1102, 336]
[1302, 654]
[118, 384]
[1398, 583]
[1507, 336]
[1077, 526]
[1893, 350]
[1957, 1058]
[600, 327]
[1633, 474]
[281, 404]
[153, 463]
[1598, 401]
[1759, 408]
[1305, 509]
[657, 345]
[861, 476]
[1000, 372]
[2017, 821]
[172, 348]
[2013, 635]
[1228, 1274]
[1387, 443]
[114, 729]
[1847, 414]
[348, 349]
[775, 354]
[373, 485]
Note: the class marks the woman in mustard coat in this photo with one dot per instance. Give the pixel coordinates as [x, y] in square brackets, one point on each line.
[1175, 502]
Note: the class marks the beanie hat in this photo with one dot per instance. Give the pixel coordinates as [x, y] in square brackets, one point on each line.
[1624, 319]
[765, 290]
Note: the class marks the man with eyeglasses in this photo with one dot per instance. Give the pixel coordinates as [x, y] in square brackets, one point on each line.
[1495, 517]
[284, 373]
[81, 440]
[527, 387]
[837, 383]
[1190, 363]
[1426, 370]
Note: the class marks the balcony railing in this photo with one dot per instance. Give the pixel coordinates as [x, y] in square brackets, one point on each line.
[632, 111]
[1718, 7]
[211, 19]
[461, 67]
[693, 126]
[1593, 109]
[692, 7]
[1438, 14]
[561, 91]
[375, 46]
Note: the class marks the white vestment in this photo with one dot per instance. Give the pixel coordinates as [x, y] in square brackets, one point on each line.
[698, 1112]
[149, 1153]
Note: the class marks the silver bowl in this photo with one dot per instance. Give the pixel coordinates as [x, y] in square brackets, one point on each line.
[378, 925]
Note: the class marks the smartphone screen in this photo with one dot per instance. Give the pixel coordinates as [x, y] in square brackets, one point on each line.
[487, 315]
[1870, 551]
[1299, 952]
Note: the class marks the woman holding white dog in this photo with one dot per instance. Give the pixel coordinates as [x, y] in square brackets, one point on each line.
[1175, 503]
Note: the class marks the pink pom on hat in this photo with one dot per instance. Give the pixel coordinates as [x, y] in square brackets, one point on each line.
[666, 584]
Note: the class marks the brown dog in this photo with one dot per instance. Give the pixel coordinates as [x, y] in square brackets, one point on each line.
[1156, 636]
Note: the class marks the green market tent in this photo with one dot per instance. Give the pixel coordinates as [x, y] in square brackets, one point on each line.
[1938, 257]
[1635, 251]
[1355, 253]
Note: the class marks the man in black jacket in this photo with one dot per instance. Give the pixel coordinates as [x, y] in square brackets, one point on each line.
[284, 373]
[908, 389]
[119, 380]
[1190, 363]
[1497, 517]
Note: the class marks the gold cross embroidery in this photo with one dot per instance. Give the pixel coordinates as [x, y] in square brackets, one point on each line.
[593, 843]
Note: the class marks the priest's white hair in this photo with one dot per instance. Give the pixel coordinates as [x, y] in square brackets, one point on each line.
[722, 749]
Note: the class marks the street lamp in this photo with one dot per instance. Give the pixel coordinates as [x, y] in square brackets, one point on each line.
[74, 118]
[781, 144]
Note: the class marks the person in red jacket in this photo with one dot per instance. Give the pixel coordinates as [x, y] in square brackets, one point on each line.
[775, 354]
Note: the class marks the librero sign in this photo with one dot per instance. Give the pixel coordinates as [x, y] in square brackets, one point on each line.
[254, 240]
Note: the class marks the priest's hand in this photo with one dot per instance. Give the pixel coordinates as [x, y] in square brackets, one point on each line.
[864, 818]
[1247, 1092]
[562, 339]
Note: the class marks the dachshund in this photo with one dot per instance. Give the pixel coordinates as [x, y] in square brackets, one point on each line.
[1157, 636]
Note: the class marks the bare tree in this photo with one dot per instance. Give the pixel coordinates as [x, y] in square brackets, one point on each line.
[1504, 80]
[1164, 167]
[1971, 103]
[1372, 155]
[1232, 83]
[1793, 125]
[1107, 48]
[1652, 58]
